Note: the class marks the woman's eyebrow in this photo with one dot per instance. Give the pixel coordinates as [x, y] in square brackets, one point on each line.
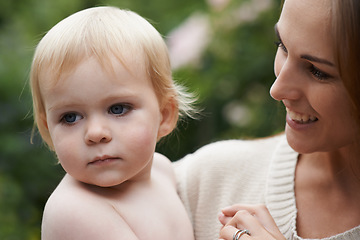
[317, 60]
[306, 56]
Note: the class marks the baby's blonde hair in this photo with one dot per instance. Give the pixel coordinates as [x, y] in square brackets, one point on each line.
[103, 33]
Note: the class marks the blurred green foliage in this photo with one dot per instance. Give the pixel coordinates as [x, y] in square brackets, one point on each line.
[232, 79]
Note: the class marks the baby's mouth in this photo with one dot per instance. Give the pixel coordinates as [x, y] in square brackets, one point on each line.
[301, 118]
[103, 159]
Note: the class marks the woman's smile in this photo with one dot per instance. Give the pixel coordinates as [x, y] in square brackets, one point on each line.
[301, 118]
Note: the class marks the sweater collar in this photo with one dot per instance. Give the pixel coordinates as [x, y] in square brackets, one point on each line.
[280, 195]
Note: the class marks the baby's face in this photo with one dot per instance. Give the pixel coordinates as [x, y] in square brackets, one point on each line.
[104, 127]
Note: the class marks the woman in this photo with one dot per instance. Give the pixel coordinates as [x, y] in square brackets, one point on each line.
[305, 183]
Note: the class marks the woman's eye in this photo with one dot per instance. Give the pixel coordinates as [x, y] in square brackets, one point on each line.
[318, 73]
[119, 109]
[279, 44]
[70, 118]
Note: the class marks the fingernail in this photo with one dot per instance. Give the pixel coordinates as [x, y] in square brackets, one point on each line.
[226, 209]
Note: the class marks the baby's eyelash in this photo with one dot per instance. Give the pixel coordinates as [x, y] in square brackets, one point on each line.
[120, 109]
[70, 118]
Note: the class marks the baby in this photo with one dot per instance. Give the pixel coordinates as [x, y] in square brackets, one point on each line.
[103, 96]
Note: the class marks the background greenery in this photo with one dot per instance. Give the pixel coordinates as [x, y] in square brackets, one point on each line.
[232, 77]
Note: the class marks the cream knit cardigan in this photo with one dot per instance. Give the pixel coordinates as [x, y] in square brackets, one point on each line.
[237, 171]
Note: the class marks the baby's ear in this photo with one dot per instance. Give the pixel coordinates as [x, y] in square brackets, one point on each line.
[169, 117]
[44, 131]
[43, 120]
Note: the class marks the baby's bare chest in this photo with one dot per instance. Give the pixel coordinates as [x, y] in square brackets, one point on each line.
[155, 213]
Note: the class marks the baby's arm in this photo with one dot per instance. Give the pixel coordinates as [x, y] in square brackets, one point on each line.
[82, 217]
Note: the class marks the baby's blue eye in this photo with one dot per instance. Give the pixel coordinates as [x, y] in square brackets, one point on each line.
[71, 118]
[119, 109]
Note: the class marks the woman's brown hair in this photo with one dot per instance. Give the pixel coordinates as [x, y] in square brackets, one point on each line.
[346, 37]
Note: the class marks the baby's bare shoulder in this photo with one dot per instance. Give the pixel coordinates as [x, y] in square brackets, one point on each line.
[74, 213]
[162, 167]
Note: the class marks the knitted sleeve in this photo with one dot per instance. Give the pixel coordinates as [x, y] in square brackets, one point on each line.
[221, 174]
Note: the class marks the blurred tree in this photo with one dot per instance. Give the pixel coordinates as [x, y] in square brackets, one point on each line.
[232, 78]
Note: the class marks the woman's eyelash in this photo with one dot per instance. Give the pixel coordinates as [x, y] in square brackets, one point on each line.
[279, 44]
[318, 73]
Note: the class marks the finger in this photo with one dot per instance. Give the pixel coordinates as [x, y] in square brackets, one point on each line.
[223, 219]
[244, 220]
[259, 211]
[227, 233]
[233, 209]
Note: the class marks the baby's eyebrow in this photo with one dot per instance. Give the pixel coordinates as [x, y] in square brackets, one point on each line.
[62, 106]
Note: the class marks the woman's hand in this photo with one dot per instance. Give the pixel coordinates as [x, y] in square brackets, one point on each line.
[256, 219]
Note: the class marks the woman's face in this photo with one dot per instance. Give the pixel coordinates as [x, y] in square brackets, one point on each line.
[319, 113]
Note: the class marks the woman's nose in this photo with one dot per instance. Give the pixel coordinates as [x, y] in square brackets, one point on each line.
[286, 84]
[97, 132]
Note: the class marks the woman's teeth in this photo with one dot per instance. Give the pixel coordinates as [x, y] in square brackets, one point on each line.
[301, 118]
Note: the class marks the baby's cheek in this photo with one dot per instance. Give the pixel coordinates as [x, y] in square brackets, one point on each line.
[65, 149]
[143, 139]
